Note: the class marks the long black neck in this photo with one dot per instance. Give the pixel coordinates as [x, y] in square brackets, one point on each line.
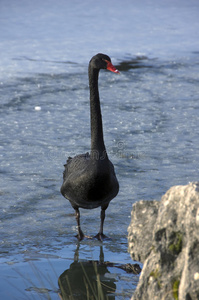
[98, 150]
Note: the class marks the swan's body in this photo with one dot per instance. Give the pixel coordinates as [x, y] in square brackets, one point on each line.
[89, 180]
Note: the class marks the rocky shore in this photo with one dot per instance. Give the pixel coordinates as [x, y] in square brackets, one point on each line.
[164, 236]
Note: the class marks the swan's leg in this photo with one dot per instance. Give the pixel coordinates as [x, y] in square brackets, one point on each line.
[80, 234]
[101, 236]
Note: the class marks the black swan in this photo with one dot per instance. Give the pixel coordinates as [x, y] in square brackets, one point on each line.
[89, 180]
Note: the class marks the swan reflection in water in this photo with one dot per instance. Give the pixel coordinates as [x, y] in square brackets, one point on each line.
[87, 280]
[91, 279]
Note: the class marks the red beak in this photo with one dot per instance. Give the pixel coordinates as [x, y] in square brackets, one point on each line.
[111, 68]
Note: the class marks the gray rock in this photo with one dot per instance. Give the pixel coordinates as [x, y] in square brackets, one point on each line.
[165, 237]
[143, 216]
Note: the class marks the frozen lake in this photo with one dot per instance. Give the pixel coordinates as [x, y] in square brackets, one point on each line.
[150, 118]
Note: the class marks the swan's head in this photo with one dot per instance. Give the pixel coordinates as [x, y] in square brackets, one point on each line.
[102, 61]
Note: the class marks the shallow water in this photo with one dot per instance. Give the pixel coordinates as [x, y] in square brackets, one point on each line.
[150, 117]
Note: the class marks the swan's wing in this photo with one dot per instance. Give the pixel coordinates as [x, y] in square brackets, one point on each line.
[75, 164]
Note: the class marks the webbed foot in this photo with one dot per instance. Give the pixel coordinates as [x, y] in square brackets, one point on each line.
[101, 237]
[80, 236]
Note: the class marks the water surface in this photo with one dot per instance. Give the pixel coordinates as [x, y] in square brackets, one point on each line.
[150, 117]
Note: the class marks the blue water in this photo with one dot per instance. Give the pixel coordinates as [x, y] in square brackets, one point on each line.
[150, 117]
